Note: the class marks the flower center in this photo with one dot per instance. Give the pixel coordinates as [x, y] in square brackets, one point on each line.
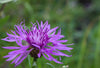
[34, 53]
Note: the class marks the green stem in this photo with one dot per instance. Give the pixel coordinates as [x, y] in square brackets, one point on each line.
[34, 63]
[1, 10]
[83, 46]
[97, 50]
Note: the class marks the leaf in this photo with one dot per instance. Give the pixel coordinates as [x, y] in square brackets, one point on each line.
[5, 1]
[3, 21]
[29, 61]
[50, 65]
[28, 7]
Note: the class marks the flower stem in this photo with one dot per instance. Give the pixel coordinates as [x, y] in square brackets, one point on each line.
[34, 63]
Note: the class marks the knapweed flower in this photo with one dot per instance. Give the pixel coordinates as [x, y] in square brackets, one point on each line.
[40, 41]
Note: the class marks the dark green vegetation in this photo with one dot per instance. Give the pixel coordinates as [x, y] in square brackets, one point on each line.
[79, 21]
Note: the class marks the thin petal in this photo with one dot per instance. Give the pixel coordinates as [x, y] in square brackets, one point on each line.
[17, 59]
[16, 51]
[8, 39]
[36, 46]
[52, 30]
[11, 47]
[6, 56]
[62, 48]
[39, 54]
[58, 53]
[12, 57]
[46, 57]
[21, 60]
[42, 24]
[24, 56]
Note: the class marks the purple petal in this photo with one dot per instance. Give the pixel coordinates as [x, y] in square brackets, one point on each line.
[56, 61]
[51, 58]
[62, 48]
[59, 32]
[46, 57]
[70, 44]
[12, 57]
[16, 51]
[39, 54]
[52, 30]
[24, 56]
[56, 37]
[6, 56]
[8, 39]
[46, 23]
[38, 24]
[11, 35]
[19, 42]
[13, 32]
[41, 24]
[11, 47]
[58, 53]
[20, 60]
[36, 46]
[60, 57]
[17, 59]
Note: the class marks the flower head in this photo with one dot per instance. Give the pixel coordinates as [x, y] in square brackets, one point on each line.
[37, 40]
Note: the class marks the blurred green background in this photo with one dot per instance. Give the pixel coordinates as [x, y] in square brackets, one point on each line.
[78, 19]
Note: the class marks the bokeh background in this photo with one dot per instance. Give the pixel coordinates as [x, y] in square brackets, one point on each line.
[78, 19]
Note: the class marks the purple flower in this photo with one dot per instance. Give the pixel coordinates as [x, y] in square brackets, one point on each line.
[37, 41]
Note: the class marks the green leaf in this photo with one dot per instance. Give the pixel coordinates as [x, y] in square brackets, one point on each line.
[29, 61]
[50, 65]
[28, 7]
[5, 1]
[97, 50]
[3, 21]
